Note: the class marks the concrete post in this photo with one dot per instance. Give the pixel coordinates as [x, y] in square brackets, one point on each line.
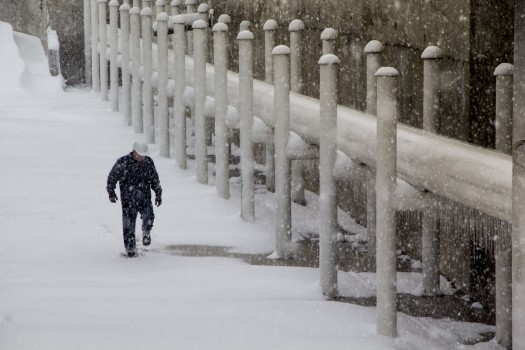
[386, 150]
[373, 51]
[147, 4]
[430, 223]
[245, 39]
[190, 8]
[432, 56]
[270, 28]
[147, 66]
[220, 59]
[296, 28]
[328, 37]
[203, 11]
[503, 252]
[95, 57]
[518, 245]
[114, 51]
[201, 154]
[87, 41]
[160, 7]
[179, 47]
[329, 65]
[518, 181]
[283, 215]
[103, 44]
[126, 77]
[163, 120]
[136, 94]
[504, 80]
[176, 7]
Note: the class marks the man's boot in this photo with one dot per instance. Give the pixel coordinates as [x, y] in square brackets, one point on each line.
[146, 238]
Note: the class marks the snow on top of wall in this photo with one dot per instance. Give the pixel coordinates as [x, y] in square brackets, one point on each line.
[52, 40]
[24, 66]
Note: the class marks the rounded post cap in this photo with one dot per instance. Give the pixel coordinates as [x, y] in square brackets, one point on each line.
[504, 69]
[146, 12]
[281, 50]
[329, 34]
[296, 25]
[270, 24]
[328, 59]
[114, 3]
[224, 18]
[190, 2]
[179, 19]
[203, 8]
[176, 3]
[245, 25]
[374, 46]
[163, 16]
[199, 24]
[124, 7]
[432, 52]
[102, 1]
[134, 11]
[245, 35]
[161, 3]
[220, 27]
[387, 72]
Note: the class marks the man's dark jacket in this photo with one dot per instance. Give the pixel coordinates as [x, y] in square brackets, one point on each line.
[136, 179]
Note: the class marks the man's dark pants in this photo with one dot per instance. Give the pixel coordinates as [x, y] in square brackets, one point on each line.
[130, 209]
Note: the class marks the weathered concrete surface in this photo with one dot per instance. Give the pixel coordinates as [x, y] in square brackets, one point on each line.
[66, 17]
[475, 36]
[26, 16]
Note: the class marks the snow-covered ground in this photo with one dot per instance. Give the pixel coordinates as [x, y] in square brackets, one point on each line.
[65, 285]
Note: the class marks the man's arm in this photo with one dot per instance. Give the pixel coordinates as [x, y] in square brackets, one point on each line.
[155, 185]
[113, 178]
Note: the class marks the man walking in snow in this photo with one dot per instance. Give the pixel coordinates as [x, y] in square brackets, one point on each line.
[137, 176]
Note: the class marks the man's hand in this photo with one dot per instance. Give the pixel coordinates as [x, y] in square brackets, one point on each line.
[113, 197]
[158, 201]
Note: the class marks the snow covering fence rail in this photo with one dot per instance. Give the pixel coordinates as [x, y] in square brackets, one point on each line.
[294, 127]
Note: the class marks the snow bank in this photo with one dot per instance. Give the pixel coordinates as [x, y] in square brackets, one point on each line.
[24, 68]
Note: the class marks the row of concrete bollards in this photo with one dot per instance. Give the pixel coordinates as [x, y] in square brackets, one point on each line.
[146, 67]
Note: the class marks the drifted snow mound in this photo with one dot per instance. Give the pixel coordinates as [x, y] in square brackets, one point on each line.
[24, 68]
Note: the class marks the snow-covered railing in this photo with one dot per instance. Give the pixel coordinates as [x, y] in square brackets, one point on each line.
[428, 166]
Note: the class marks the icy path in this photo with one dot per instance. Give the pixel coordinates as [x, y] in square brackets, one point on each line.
[64, 284]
